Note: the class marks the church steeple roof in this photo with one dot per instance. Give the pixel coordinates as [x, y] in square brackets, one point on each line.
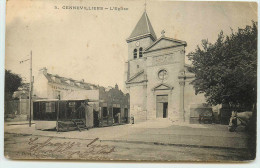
[142, 29]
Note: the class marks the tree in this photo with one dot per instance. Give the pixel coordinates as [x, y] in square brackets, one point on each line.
[226, 71]
[12, 83]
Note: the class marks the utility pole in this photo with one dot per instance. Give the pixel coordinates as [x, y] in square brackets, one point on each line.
[30, 89]
[183, 97]
[30, 92]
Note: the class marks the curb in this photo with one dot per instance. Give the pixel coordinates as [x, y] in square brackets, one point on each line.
[19, 124]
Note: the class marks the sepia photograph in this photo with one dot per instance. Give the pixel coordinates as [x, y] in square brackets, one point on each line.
[131, 80]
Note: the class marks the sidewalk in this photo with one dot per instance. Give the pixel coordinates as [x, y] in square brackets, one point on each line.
[18, 123]
[153, 132]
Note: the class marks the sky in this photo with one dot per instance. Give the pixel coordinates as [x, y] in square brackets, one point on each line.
[91, 44]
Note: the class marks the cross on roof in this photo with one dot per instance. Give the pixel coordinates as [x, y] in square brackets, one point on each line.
[145, 6]
[162, 32]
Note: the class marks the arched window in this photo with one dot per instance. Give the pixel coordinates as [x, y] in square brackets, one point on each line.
[140, 52]
[135, 53]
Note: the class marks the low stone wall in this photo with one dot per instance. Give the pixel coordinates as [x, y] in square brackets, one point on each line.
[16, 110]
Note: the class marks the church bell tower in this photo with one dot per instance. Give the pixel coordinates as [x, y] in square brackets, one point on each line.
[136, 78]
[141, 37]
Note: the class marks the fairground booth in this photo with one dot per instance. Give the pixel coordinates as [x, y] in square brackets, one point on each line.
[64, 115]
[110, 108]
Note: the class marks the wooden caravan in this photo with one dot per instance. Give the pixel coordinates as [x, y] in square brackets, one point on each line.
[63, 115]
[111, 108]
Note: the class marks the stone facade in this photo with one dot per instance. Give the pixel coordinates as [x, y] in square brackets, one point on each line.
[157, 77]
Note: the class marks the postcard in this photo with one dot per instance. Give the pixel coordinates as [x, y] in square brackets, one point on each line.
[138, 80]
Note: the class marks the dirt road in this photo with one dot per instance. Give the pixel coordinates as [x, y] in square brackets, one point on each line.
[20, 146]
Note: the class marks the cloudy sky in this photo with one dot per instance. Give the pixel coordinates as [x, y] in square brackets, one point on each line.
[91, 45]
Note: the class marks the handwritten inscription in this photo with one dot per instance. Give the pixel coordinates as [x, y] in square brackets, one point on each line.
[70, 149]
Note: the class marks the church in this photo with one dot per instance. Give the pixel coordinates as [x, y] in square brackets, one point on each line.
[157, 77]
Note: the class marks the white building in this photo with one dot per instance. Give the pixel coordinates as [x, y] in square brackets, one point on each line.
[50, 86]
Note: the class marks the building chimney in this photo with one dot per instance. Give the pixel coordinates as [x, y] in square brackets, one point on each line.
[43, 70]
[116, 86]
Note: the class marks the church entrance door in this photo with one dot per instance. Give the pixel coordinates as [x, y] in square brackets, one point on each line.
[165, 110]
[161, 106]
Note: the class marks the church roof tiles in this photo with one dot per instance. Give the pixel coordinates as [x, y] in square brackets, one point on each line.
[143, 28]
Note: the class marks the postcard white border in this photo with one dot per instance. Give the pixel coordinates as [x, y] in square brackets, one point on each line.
[6, 163]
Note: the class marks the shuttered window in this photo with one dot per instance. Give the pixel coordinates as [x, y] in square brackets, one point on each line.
[50, 107]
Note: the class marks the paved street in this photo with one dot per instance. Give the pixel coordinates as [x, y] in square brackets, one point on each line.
[151, 140]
